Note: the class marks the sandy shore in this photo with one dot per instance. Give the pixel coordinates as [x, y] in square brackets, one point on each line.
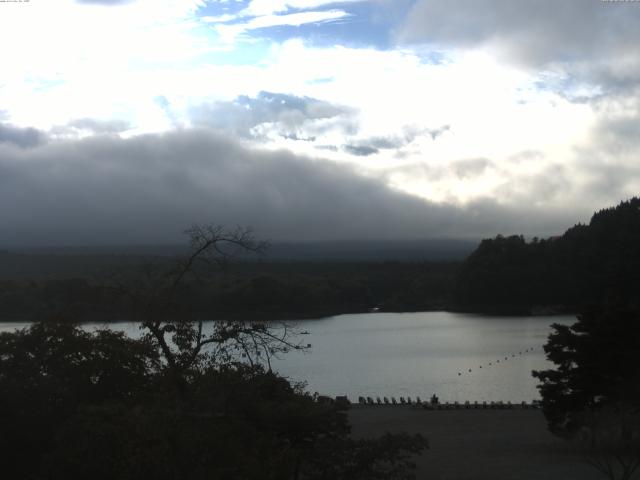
[478, 444]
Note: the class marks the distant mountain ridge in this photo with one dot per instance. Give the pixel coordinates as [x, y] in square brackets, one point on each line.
[431, 250]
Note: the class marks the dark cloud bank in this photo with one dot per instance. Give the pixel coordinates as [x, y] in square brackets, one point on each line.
[148, 189]
[537, 31]
[593, 41]
[22, 137]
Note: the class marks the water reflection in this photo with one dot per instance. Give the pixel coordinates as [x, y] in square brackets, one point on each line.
[419, 354]
[456, 356]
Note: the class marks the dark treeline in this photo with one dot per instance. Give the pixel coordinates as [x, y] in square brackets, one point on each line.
[589, 265]
[243, 290]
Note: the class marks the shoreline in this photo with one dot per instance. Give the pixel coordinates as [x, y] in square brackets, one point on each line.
[289, 316]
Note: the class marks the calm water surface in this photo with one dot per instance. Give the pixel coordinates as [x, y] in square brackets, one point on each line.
[416, 354]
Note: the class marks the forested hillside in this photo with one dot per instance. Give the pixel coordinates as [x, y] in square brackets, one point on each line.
[590, 264]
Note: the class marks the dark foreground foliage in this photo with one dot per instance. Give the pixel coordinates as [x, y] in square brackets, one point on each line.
[597, 365]
[593, 394]
[79, 405]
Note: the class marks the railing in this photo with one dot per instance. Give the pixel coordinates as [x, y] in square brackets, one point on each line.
[431, 405]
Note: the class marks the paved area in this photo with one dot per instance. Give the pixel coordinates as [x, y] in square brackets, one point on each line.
[479, 444]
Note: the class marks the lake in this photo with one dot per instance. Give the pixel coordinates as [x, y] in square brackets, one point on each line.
[456, 356]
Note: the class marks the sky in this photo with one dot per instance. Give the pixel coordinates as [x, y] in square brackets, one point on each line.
[127, 121]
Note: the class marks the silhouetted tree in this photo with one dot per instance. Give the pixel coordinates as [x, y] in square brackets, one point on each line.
[612, 437]
[593, 394]
[181, 402]
[162, 303]
[50, 369]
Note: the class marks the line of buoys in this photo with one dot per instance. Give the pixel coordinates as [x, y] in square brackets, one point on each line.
[513, 355]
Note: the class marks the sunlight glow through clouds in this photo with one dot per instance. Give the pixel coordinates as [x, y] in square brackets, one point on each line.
[84, 60]
[494, 111]
[68, 61]
[229, 33]
[269, 7]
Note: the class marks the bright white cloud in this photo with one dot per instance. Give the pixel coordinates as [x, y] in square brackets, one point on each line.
[61, 59]
[493, 111]
[270, 7]
[148, 64]
[229, 33]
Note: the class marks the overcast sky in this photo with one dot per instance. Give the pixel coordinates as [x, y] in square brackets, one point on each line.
[125, 121]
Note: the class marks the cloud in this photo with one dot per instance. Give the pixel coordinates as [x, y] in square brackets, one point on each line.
[437, 132]
[532, 31]
[550, 185]
[270, 7]
[90, 126]
[104, 2]
[147, 189]
[230, 31]
[373, 145]
[287, 116]
[296, 138]
[329, 148]
[360, 150]
[470, 168]
[320, 22]
[21, 137]
[277, 19]
[609, 154]
[526, 156]
[466, 172]
[166, 70]
[581, 49]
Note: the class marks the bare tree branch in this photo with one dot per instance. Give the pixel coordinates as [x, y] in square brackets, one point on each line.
[178, 333]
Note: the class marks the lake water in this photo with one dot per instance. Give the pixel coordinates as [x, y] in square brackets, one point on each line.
[417, 354]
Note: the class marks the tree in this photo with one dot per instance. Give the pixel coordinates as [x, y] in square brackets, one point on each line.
[612, 436]
[593, 395]
[587, 265]
[181, 402]
[162, 304]
[52, 368]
